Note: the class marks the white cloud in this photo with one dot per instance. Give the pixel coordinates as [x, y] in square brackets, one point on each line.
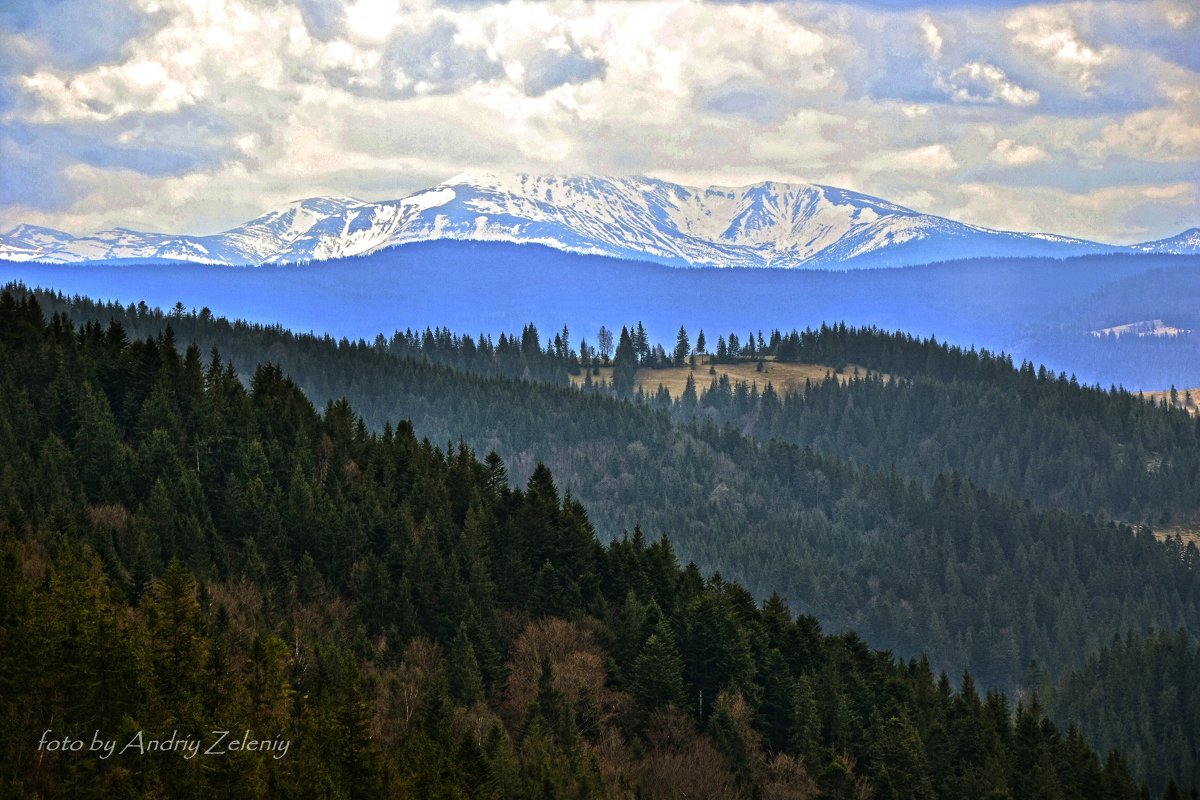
[377, 98]
[1051, 34]
[1009, 153]
[933, 37]
[980, 82]
[929, 159]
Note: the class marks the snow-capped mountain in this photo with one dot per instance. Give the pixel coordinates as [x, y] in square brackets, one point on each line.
[764, 225]
[1186, 243]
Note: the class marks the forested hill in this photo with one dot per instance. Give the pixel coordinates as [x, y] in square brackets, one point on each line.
[1012, 428]
[182, 554]
[975, 579]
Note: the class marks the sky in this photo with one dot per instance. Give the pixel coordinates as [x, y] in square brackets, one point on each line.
[191, 116]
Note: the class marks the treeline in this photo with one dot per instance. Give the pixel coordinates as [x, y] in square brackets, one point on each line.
[1028, 434]
[1011, 428]
[182, 554]
[1155, 362]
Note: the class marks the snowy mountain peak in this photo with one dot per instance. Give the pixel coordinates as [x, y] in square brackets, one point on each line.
[1186, 243]
[766, 224]
[36, 233]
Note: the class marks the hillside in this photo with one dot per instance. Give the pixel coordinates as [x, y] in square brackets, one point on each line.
[869, 551]
[387, 619]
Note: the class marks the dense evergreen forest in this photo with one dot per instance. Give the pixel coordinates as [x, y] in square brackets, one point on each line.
[184, 554]
[1139, 693]
[913, 559]
[1012, 428]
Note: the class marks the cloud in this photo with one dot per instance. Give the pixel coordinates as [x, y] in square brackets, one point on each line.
[555, 67]
[1009, 153]
[755, 100]
[1051, 34]
[324, 19]
[933, 37]
[109, 92]
[75, 34]
[1156, 135]
[432, 61]
[1115, 215]
[980, 82]
[208, 112]
[929, 5]
[926, 160]
[412, 62]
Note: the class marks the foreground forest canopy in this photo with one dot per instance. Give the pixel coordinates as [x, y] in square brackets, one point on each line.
[977, 580]
[183, 553]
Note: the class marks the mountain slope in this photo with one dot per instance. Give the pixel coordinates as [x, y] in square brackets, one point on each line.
[1186, 243]
[767, 224]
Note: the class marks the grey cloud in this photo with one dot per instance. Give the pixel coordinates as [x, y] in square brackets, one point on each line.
[434, 58]
[550, 69]
[430, 57]
[76, 34]
[325, 19]
[756, 101]
[33, 157]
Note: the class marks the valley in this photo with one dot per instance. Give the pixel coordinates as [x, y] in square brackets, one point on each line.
[853, 501]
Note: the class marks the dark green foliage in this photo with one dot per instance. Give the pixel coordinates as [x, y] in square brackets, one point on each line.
[1140, 694]
[1015, 429]
[931, 564]
[357, 594]
[656, 676]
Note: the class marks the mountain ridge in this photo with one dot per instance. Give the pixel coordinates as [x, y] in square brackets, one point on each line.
[768, 225]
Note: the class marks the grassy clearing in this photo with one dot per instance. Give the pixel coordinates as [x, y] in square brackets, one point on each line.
[784, 376]
[1186, 534]
[1182, 400]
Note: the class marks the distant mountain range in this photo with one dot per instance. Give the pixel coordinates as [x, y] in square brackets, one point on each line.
[767, 224]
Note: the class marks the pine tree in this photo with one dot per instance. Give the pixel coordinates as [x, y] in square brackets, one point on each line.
[625, 365]
[657, 677]
[682, 347]
[462, 670]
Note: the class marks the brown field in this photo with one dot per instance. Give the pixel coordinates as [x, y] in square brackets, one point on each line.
[785, 377]
[1186, 534]
[1162, 397]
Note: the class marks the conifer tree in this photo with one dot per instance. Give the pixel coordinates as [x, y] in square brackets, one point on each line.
[657, 675]
[682, 347]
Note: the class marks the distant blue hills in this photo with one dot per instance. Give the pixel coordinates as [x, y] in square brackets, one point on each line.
[1045, 310]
